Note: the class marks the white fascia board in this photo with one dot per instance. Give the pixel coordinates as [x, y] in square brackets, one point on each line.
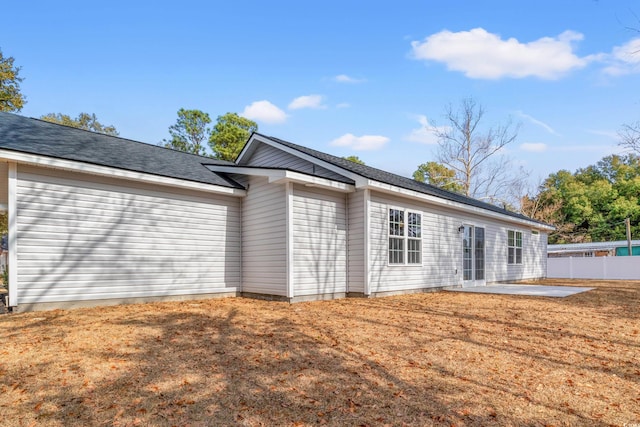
[315, 181]
[247, 149]
[392, 189]
[281, 176]
[74, 166]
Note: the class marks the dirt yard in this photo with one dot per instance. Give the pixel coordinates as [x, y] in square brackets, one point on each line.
[427, 359]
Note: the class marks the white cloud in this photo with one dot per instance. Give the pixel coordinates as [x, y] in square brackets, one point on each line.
[606, 133]
[343, 78]
[360, 143]
[534, 147]
[343, 105]
[426, 133]
[307, 101]
[483, 55]
[538, 122]
[264, 111]
[624, 59]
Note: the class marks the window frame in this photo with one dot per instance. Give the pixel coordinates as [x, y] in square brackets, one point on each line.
[515, 247]
[404, 226]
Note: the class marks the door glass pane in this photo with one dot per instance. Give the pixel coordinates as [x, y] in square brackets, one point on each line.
[467, 268]
[479, 253]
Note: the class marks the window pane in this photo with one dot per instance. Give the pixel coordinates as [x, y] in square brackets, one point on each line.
[396, 251]
[479, 238]
[396, 222]
[467, 267]
[414, 251]
[414, 224]
[479, 253]
[514, 247]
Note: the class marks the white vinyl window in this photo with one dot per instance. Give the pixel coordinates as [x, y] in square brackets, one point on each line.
[514, 247]
[405, 237]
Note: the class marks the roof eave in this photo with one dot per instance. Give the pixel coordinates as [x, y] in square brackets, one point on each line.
[108, 171]
[392, 189]
[364, 182]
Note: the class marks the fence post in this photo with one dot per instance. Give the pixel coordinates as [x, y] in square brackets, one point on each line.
[570, 267]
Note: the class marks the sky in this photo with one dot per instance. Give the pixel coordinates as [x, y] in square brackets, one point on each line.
[364, 78]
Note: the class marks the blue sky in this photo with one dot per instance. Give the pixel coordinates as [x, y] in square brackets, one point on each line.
[345, 77]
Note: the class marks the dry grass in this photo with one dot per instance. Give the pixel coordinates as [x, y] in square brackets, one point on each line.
[428, 359]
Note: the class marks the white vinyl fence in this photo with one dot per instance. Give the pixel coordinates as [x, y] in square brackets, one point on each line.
[610, 267]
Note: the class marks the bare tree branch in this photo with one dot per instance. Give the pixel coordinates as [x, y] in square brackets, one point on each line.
[474, 153]
[630, 136]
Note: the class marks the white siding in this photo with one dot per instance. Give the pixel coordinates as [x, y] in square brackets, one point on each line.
[82, 237]
[442, 248]
[534, 258]
[319, 242]
[268, 156]
[264, 238]
[356, 213]
[535, 254]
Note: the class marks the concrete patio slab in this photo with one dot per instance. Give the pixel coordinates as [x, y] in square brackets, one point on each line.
[528, 290]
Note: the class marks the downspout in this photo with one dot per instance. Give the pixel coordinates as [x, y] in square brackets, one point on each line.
[367, 243]
[347, 241]
[241, 278]
[12, 261]
[289, 238]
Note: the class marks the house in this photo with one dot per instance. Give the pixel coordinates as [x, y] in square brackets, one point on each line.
[593, 249]
[96, 219]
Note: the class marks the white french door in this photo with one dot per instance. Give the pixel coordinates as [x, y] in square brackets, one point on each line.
[473, 256]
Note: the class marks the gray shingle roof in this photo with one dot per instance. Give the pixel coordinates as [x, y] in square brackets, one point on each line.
[397, 180]
[34, 136]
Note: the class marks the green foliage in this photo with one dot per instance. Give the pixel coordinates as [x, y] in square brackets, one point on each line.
[3, 223]
[84, 121]
[10, 97]
[439, 175]
[230, 134]
[190, 132]
[354, 159]
[5, 277]
[592, 203]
